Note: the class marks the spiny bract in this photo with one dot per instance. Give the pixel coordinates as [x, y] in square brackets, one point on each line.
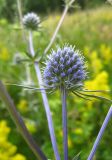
[31, 21]
[65, 67]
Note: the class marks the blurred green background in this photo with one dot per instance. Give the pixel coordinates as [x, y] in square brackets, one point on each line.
[88, 26]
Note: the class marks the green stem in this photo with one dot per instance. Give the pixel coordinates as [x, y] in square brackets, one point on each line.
[57, 28]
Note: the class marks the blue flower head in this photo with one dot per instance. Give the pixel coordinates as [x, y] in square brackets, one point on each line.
[65, 67]
[31, 21]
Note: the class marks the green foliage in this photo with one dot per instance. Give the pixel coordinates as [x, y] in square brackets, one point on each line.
[90, 32]
[8, 8]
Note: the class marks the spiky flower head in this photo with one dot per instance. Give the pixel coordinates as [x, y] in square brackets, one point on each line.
[31, 21]
[65, 67]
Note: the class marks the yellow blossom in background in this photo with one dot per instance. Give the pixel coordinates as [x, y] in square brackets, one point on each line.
[60, 133]
[78, 131]
[30, 125]
[4, 130]
[106, 15]
[86, 51]
[69, 142]
[97, 59]
[18, 157]
[106, 53]
[23, 106]
[99, 83]
[89, 105]
[4, 54]
[96, 63]
[7, 150]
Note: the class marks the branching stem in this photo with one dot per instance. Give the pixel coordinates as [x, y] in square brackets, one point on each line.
[45, 100]
[67, 6]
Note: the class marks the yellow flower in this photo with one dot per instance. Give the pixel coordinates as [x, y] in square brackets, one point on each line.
[4, 130]
[78, 131]
[11, 149]
[89, 105]
[60, 133]
[99, 83]
[31, 126]
[4, 54]
[7, 150]
[86, 51]
[18, 157]
[106, 53]
[69, 142]
[96, 63]
[23, 106]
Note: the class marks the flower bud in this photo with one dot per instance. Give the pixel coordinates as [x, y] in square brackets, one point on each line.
[31, 21]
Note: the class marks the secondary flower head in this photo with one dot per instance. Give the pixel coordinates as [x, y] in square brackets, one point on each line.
[31, 21]
[65, 67]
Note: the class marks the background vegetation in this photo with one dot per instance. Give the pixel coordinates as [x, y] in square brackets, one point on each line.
[8, 8]
[90, 31]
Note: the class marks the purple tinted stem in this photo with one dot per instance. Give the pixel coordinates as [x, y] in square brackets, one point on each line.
[45, 100]
[31, 48]
[20, 123]
[64, 121]
[48, 113]
[100, 134]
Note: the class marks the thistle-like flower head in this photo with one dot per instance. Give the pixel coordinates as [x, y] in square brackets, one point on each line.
[65, 67]
[31, 21]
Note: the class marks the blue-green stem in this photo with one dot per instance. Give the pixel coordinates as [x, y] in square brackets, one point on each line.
[45, 100]
[64, 122]
[20, 123]
[100, 134]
